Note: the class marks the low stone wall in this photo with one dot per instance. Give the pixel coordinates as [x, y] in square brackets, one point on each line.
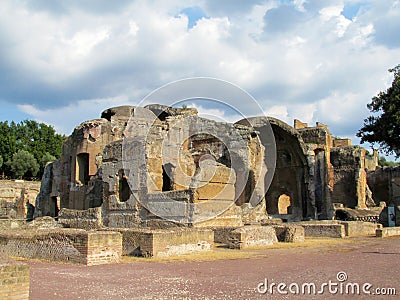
[64, 245]
[161, 243]
[252, 236]
[388, 231]
[83, 219]
[17, 197]
[222, 234]
[289, 233]
[357, 228]
[14, 279]
[6, 224]
[331, 230]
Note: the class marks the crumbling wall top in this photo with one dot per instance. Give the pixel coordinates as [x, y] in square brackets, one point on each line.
[119, 111]
[163, 111]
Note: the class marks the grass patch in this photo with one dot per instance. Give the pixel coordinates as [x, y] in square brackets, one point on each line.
[218, 252]
[213, 254]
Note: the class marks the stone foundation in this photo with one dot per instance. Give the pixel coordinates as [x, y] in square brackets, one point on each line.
[331, 230]
[222, 234]
[14, 279]
[64, 245]
[388, 231]
[354, 229]
[252, 236]
[161, 243]
[289, 233]
[6, 224]
[83, 219]
[17, 198]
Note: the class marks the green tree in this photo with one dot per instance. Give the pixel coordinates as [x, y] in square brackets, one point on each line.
[383, 127]
[385, 163]
[47, 157]
[36, 138]
[23, 163]
[1, 161]
[8, 142]
[39, 138]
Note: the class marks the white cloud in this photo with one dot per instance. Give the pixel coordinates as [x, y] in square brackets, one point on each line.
[65, 118]
[301, 60]
[279, 112]
[215, 114]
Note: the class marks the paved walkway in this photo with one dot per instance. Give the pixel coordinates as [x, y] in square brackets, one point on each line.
[368, 260]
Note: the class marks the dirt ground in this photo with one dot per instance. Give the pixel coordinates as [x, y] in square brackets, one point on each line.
[368, 260]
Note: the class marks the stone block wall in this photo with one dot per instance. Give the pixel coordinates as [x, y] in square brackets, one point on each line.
[101, 247]
[16, 196]
[82, 219]
[6, 224]
[161, 243]
[14, 279]
[182, 242]
[350, 179]
[387, 232]
[385, 185]
[289, 233]
[332, 230]
[65, 245]
[252, 236]
[337, 142]
[222, 234]
[355, 228]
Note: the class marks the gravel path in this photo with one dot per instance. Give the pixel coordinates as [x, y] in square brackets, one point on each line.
[369, 260]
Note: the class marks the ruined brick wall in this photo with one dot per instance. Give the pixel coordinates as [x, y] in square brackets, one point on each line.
[319, 229]
[252, 236]
[337, 142]
[357, 228]
[182, 241]
[65, 245]
[385, 185]
[289, 233]
[17, 198]
[173, 163]
[318, 142]
[222, 234]
[84, 219]
[350, 181]
[14, 279]
[133, 160]
[161, 243]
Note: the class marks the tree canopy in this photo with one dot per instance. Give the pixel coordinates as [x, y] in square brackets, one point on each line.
[38, 139]
[383, 127]
[23, 163]
[384, 163]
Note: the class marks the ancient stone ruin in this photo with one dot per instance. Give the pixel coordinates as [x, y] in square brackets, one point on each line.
[118, 170]
[161, 181]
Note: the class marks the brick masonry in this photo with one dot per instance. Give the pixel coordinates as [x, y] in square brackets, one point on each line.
[289, 233]
[14, 279]
[252, 236]
[64, 245]
[331, 230]
[163, 242]
[388, 231]
[356, 228]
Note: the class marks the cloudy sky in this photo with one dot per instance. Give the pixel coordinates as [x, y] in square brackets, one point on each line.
[63, 62]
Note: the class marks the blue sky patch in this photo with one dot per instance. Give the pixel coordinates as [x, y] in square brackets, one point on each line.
[194, 14]
[9, 112]
[350, 10]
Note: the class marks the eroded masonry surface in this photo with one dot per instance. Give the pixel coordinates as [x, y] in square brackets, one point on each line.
[161, 181]
[316, 174]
